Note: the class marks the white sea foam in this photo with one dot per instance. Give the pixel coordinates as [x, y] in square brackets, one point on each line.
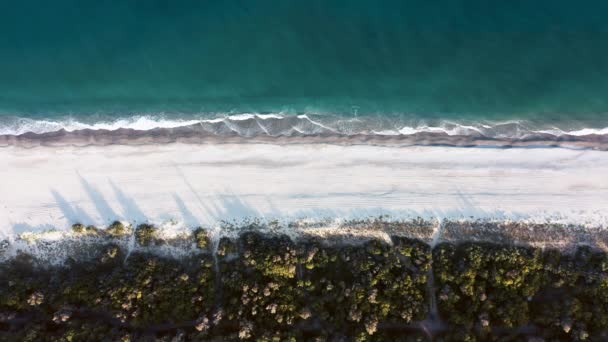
[23, 125]
[280, 124]
[579, 132]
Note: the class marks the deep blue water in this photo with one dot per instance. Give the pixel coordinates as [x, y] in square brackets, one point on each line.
[420, 61]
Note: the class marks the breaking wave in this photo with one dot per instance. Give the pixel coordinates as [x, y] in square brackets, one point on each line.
[284, 125]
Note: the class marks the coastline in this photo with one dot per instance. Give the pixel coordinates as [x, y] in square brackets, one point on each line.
[286, 129]
[194, 136]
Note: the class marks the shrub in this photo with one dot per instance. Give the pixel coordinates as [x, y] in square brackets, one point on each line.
[146, 234]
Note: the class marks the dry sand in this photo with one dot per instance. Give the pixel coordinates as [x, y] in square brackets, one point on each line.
[45, 188]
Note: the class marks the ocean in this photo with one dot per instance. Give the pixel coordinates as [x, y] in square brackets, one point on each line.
[497, 68]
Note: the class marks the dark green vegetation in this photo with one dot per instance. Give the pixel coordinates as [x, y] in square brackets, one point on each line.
[487, 290]
[271, 288]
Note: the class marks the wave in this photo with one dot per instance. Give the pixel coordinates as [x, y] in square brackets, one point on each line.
[261, 126]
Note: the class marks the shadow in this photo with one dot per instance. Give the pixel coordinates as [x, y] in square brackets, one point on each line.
[273, 211]
[72, 214]
[191, 188]
[222, 207]
[189, 218]
[469, 208]
[130, 209]
[212, 210]
[232, 207]
[20, 228]
[102, 206]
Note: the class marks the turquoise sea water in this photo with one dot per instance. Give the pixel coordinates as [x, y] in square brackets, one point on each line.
[541, 62]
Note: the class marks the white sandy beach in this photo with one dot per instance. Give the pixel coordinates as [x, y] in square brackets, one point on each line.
[53, 187]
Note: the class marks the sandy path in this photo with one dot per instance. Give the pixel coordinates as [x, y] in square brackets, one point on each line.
[46, 187]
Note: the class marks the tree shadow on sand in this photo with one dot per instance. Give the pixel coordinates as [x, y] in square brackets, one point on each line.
[102, 206]
[130, 209]
[187, 215]
[72, 213]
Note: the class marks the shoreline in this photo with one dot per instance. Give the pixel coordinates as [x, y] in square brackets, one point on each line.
[196, 134]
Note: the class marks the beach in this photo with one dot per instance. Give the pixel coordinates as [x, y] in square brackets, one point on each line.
[51, 188]
[264, 170]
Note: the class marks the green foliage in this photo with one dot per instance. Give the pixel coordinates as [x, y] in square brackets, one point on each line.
[146, 235]
[493, 286]
[117, 230]
[201, 237]
[226, 247]
[259, 287]
[355, 288]
[80, 229]
[270, 288]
